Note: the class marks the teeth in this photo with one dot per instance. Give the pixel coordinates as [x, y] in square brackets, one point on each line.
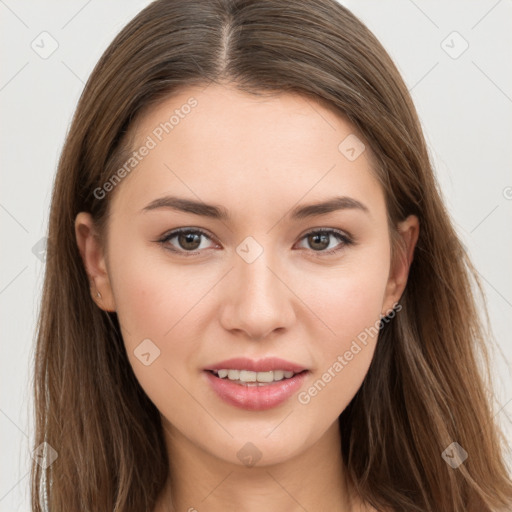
[278, 374]
[248, 376]
[233, 374]
[262, 376]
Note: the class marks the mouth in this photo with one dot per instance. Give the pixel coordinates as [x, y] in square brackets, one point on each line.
[254, 391]
[250, 378]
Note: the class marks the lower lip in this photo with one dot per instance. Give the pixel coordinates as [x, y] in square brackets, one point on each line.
[255, 398]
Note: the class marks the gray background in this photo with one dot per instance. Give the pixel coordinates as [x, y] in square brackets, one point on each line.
[464, 100]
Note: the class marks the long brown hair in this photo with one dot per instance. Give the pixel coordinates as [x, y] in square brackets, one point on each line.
[428, 385]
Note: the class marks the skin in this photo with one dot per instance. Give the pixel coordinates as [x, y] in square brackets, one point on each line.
[259, 158]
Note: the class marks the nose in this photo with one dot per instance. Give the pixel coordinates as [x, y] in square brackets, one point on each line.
[258, 299]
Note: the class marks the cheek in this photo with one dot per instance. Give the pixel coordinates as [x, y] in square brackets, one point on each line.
[148, 294]
[145, 296]
[139, 304]
[348, 299]
[158, 302]
[349, 303]
[152, 303]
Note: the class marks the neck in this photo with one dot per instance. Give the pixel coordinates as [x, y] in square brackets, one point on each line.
[312, 480]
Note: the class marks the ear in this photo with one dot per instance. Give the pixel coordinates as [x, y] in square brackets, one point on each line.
[93, 256]
[408, 232]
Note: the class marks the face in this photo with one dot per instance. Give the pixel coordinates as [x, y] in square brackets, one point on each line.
[255, 275]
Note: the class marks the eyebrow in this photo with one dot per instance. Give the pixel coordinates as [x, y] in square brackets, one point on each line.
[220, 213]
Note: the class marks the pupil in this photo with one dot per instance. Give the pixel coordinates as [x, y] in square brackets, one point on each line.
[188, 238]
[324, 237]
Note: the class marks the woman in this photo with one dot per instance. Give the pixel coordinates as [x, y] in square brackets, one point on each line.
[254, 297]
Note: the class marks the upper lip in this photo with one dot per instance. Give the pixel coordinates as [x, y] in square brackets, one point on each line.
[261, 365]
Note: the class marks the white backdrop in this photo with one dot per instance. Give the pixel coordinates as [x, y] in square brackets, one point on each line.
[455, 56]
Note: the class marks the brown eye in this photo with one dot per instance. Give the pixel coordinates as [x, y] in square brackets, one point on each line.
[187, 241]
[320, 240]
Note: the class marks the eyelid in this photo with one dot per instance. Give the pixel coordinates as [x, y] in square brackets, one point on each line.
[342, 233]
[344, 237]
[175, 232]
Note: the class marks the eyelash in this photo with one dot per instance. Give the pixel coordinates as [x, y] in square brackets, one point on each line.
[342, 237]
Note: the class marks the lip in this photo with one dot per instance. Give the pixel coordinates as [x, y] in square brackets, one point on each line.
[261, 365]
[254, 398]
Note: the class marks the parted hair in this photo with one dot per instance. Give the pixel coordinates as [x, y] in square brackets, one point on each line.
[429, 382]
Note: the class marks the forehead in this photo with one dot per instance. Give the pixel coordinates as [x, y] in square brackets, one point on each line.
[243, 150]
